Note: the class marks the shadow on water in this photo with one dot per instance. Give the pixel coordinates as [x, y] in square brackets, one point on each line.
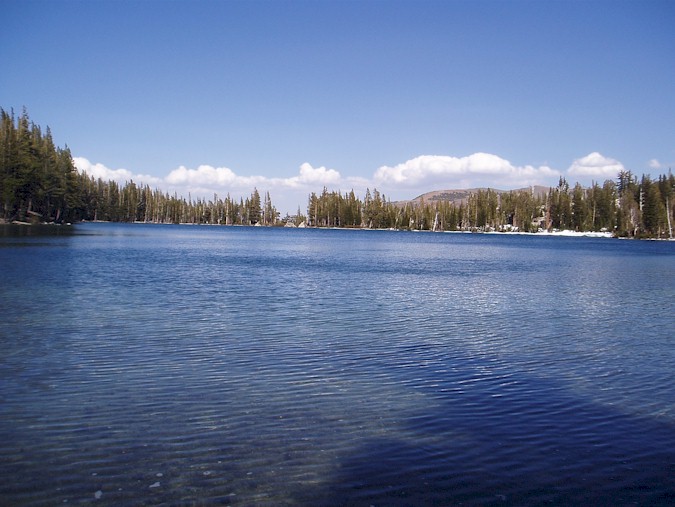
[559, 449]
[19, 235]
[21, 230]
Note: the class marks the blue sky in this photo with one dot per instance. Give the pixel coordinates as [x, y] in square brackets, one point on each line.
[289, 96]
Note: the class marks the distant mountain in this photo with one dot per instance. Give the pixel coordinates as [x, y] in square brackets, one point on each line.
[460, 196]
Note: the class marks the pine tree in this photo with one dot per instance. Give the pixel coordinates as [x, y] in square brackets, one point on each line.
[653, 209]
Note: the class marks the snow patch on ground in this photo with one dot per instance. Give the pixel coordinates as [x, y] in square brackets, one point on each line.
[577, 234]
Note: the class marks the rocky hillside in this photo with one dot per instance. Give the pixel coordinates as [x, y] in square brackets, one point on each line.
[459, 196]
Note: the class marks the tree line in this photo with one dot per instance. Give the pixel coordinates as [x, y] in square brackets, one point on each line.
[109, 201]
[629, 207]
[39, 183]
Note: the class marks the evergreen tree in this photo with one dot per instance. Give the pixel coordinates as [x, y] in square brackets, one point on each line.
[579, 209]
[653, 209]
[254, 209]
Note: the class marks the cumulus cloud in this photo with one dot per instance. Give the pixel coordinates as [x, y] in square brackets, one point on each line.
[595, 165]
[205, 180]
[98, 170]
[287, 192]
[655, 164]
[476, 167]
[310, 176]
[223, 177]
[423, 173]
[209, 176]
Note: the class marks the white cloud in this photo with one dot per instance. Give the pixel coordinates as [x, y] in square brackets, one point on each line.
[311, 176]
[122, 176]
[205, 180]
[223, 177]
[423, 173]
[209, 176]
[100, 171]
[319, 175]
[287, 193]
[471, 170]
[596, 165]
[655, 164]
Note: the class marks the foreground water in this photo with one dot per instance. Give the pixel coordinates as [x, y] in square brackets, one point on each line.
[181, 365]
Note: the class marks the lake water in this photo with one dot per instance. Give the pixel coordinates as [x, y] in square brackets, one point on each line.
[182, 365]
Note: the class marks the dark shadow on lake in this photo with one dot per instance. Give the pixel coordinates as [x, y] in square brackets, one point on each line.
[476, 449]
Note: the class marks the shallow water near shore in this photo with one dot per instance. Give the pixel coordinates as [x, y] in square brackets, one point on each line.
[181, 365]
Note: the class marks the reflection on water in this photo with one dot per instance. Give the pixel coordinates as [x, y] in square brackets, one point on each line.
[180, 365]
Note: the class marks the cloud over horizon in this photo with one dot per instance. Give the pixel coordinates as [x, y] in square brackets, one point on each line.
[121, 176]
[209, 176]
[320, 175]
[206, 175]
[447, 170]
[595, 165]
[206, 180]
[422, 173]
[223, 177]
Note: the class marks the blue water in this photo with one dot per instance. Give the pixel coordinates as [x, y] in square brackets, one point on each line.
[183, 365]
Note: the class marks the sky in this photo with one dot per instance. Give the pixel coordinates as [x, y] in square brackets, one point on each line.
[215, 97]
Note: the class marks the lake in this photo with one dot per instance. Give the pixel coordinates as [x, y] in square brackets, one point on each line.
[182, 365]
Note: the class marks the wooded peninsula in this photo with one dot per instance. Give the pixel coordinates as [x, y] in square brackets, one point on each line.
[40, 184]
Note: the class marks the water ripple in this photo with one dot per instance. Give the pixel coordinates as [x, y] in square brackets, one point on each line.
[182, 366]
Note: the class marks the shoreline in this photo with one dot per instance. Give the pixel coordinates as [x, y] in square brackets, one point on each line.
[540, 233]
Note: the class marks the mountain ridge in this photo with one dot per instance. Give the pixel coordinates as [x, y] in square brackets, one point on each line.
[460, 195]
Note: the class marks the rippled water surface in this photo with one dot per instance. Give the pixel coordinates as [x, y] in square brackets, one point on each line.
[179, 365]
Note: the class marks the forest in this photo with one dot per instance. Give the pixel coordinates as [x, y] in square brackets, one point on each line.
[40, 184]
[629, 207]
